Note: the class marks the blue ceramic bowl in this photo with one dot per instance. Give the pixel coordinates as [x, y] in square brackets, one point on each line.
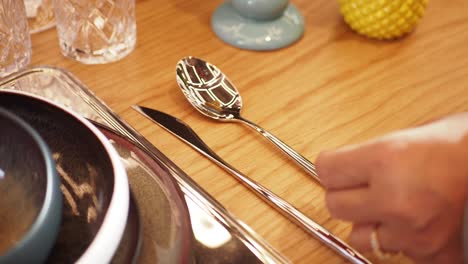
[31, 201]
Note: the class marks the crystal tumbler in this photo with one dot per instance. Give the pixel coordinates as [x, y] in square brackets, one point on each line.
[15, 43]
[40, 15]
[95, 31]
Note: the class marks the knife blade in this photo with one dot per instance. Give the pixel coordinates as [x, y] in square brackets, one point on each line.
[176, 127]
[182, 131]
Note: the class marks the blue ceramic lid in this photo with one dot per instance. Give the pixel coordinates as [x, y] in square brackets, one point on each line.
[258, 24]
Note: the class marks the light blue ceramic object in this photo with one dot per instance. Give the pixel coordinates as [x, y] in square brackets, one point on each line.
[258, 24]
[26, 162]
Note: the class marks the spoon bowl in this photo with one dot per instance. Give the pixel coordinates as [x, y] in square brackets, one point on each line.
[212, 94]
[208, 89]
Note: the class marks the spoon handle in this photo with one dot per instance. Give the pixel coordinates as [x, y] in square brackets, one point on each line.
[298, 158]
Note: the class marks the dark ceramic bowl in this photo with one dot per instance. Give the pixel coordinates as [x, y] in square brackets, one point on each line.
[94, 181]
[31, 201]
[167, 235]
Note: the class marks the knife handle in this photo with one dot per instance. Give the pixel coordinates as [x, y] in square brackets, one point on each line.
[186, 134]
[287, 209]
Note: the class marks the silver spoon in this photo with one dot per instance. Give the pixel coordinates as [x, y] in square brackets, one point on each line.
[213, 95]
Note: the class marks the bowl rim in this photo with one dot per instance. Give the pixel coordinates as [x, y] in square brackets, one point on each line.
[50, 213]
[107, 239]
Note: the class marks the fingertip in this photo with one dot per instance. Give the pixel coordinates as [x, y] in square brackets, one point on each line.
[346, 167]
[360, 235]
[320, 160]
[350, 205]
[322, 166]
[331, 204]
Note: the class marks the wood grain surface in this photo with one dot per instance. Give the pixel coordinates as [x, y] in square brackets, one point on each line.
[331, 88]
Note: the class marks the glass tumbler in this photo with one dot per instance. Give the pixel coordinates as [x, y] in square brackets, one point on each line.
[40, 15]
[15, 42]
[95, 31]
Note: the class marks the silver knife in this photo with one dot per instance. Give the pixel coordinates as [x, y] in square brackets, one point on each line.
[185, 133]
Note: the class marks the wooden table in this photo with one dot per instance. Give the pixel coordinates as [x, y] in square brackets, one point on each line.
[333, 87]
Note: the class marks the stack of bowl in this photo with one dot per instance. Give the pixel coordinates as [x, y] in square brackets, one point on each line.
[31, 204]
[65, 194]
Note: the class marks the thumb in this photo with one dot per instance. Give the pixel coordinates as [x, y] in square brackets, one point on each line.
[348, 167]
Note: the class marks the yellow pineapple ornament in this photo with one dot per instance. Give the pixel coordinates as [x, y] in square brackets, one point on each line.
[382, 19]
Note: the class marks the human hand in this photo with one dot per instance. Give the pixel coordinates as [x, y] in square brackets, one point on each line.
[409, 186]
